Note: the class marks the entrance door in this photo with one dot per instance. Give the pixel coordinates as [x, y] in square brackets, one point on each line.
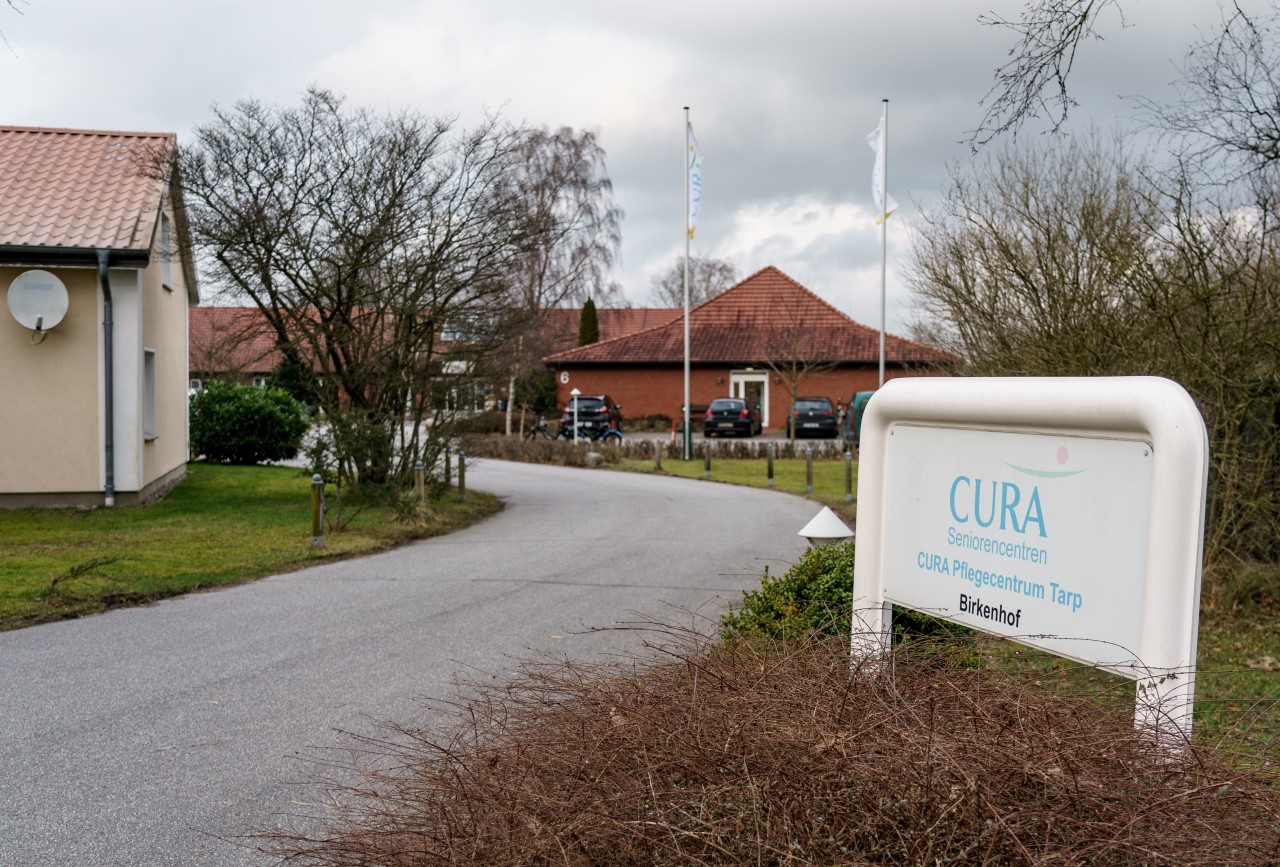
[753, 387]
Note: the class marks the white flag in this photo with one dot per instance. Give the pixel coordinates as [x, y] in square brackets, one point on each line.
[875, 141]
[695, 180]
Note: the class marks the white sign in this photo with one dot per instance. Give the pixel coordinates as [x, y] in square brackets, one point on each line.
[1027, 535]
[1067, 514]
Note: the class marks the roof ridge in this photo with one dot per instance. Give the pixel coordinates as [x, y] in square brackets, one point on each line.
[58, 130]
[715, 318]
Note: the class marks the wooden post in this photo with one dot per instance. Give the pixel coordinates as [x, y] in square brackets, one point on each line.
[317, 510]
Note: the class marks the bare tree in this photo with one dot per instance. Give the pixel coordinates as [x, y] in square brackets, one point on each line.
[794, 352]
[233, 342]
[562, 179]
[1021, 266]
[564, 182]
[1073, 259]
[1229, 96]
[1033, 82]
[707, 278]
[377, 248]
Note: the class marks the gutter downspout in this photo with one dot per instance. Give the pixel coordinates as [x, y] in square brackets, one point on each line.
[108, 373]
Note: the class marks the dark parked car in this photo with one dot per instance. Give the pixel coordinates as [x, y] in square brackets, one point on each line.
[813, 417]
[731, 416]
[596, 412]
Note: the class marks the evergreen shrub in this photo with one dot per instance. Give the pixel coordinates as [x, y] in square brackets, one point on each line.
[240, 424]
[815, 596]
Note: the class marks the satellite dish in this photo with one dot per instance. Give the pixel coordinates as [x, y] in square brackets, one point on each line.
[37, 300]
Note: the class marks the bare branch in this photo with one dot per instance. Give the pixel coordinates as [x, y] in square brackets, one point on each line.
[1229, 97]
[707, 278]
[15, 5]
[1033, 83]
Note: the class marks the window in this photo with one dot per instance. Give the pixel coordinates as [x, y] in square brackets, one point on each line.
[468, 326]
[259, 382]
[195, 384]
[149, 394]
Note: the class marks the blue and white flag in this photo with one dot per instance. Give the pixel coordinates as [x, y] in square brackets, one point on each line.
[695, 180]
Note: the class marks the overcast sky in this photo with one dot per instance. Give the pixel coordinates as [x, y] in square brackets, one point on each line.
[781, 97]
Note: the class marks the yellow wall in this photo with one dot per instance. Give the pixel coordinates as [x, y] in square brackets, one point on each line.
[49, 408]
[164, 329]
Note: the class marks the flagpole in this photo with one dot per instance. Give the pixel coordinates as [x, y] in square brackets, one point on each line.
[686, 449]
[884, 221]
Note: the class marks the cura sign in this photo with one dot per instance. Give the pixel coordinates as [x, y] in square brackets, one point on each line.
[1022, 535]
[1067, 514]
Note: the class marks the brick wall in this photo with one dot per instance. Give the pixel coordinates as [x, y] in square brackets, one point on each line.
[648, 390]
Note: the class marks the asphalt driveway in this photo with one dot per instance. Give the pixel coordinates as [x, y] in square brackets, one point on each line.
[157, 735]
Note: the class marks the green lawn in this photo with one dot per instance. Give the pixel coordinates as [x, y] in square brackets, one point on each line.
[220, 526]
[789, 475]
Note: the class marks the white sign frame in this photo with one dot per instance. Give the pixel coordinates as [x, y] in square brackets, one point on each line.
[1149, 410]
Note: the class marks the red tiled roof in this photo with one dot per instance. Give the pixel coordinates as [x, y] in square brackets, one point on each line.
[238, 339]
[230, 340]
[562, 322]
[742, 325]
[79, 188]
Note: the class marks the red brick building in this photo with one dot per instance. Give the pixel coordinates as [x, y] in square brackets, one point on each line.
[750, 341]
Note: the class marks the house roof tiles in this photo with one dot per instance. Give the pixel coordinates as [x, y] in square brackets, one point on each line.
[750, 322]
[562, 322]
[225, 340]
[79, 189]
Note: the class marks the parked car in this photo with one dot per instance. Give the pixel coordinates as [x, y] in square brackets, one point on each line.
[731, 416]
[813, 417]
[853, 422]
[596, 412]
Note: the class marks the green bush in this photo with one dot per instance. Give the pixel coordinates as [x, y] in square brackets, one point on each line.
[240, 424]
[816, 596]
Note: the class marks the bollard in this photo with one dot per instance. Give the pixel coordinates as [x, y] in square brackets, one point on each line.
[808, 470]
[706, 460]
[657, 455]
[317, 510]
[462, 474]
[848, 476]
[419, 483]
[768, 451]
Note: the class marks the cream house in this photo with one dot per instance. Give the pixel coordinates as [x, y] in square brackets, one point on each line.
[93, 339]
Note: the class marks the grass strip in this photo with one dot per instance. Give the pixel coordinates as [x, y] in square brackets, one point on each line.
[221, 525]
[789, 476]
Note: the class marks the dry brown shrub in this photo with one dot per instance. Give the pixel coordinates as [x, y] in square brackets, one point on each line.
[769, 753]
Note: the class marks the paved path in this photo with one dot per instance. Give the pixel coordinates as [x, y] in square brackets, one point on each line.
[146, 736]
